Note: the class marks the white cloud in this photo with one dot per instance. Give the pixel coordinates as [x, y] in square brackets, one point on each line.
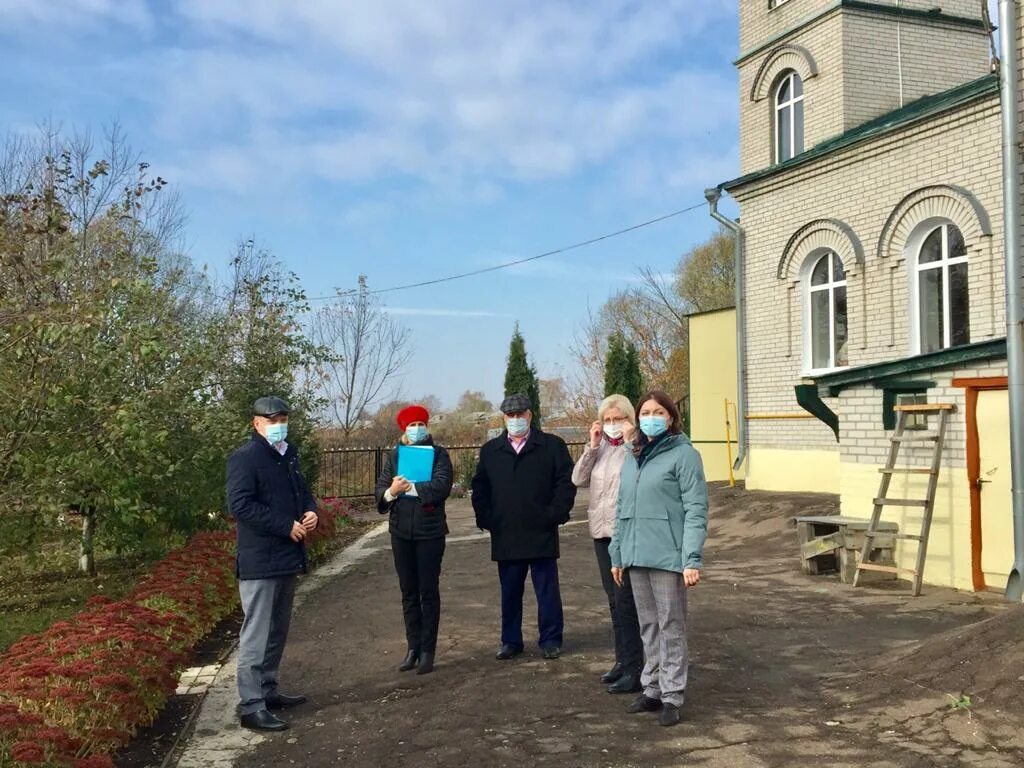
[440, 93]
[74, 13]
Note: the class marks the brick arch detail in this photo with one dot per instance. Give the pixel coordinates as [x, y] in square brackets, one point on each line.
[778, 61]
[820, 234]
[941, 201]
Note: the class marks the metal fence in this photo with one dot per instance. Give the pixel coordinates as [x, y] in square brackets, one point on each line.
[352, 473]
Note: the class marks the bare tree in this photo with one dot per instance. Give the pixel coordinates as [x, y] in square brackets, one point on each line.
[370, 349]
[588, 348]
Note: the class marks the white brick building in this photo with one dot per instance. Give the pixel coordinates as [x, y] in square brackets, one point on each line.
[871, 202]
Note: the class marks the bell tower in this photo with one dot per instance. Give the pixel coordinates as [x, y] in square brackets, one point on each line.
[811, 70]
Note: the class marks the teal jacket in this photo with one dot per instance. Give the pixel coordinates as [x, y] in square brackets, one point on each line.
[661, 518]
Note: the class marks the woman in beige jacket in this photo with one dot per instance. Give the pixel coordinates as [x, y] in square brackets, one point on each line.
[598, 469]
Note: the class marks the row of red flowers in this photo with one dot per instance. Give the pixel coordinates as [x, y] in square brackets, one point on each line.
[73, 694]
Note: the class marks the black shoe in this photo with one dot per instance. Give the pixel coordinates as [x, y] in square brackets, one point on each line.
[280, 701]
[507, 652]
[629, 683]
[613, 674]
[263, 721]
[551, 651]
[411, 660]
[426, 663]
[644, 704]
[669, 715]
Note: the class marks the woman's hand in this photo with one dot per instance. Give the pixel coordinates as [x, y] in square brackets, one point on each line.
[691, 577]
[596, 430]
[628, 431]
[399, 485]
[617, 576]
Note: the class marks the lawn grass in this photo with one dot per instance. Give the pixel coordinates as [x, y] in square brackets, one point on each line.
[37, 590]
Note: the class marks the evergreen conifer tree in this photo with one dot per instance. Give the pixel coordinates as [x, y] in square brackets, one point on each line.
[520, 376]
[615, 366]
[633, 384]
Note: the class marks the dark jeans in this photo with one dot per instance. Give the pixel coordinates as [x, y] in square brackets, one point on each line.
[629, 650]
[418, 564]
[512, 574]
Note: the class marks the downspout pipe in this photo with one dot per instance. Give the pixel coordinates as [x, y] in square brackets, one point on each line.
[713, 195]
[1009, 94]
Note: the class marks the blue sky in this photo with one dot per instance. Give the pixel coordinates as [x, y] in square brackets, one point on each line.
[409, 140]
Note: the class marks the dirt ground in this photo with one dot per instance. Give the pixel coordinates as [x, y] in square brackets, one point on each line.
[787, 670]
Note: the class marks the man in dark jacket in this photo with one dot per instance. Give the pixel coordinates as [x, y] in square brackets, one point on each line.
[274, 510]
[522, 492]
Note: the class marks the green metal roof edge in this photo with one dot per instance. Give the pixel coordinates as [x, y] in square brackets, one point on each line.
[927, 106]
[930, 361]
[860, 5]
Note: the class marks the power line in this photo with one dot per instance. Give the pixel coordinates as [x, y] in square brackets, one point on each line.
[506, 265]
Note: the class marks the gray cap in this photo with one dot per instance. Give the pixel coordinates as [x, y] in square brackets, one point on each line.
[516, 403]
[270, 406]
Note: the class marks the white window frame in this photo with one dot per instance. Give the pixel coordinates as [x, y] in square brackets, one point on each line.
[773, 4]
[791, 76]
[912, 252]
[807, 289]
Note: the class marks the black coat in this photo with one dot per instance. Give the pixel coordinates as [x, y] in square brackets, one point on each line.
[523, 498]
[421, 516]
[266, 495]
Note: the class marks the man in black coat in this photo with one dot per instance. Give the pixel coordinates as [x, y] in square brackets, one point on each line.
[522, 492]
[274, 510]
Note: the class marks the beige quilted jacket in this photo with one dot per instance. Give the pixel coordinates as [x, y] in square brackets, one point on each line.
[599, 469]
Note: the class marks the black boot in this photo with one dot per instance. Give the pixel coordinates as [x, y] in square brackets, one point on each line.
[628, 683]
[613, 674]
[644, 703]
[410, 661]
[426, 663]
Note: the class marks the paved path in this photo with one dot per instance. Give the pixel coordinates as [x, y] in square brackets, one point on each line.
[770, 651]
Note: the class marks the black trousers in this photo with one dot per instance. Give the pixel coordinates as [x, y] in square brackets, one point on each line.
[629, 649]
[550, 620]
[418, 564]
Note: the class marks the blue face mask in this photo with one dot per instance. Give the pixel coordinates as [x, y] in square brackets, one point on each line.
[416, 434]
[517, 426]
[276, 433]
[652, 426]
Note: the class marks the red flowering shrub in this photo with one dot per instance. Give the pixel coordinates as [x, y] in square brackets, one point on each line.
[331, 514]
[71, 695]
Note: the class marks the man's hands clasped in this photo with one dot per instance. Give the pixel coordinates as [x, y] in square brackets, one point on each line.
[302, 527]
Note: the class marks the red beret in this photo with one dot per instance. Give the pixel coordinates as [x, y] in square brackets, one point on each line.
[411, 414]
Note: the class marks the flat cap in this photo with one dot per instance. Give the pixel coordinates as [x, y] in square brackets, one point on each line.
[269, 406]
[516, 403]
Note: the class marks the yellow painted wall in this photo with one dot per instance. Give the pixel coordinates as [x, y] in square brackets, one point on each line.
[716, 462]
[784, 469]
[712, 381]
[948, 561]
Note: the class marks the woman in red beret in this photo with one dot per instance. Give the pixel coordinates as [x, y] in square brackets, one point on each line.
[417, 523]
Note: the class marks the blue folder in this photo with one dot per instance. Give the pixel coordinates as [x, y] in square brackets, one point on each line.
[416, 462]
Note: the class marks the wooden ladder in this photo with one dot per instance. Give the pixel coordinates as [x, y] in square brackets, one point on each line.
[900, 437]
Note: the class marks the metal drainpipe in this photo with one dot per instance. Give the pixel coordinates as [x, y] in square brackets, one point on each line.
[712, 195]
[1009, 95]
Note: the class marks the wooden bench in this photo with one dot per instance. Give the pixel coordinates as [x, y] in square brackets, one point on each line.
[833, 543]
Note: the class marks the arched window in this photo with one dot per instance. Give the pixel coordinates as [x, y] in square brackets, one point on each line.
[789, 117]
[825, 314]
[940, 290]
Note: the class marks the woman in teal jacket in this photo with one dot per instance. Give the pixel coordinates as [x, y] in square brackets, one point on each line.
[661, 521]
